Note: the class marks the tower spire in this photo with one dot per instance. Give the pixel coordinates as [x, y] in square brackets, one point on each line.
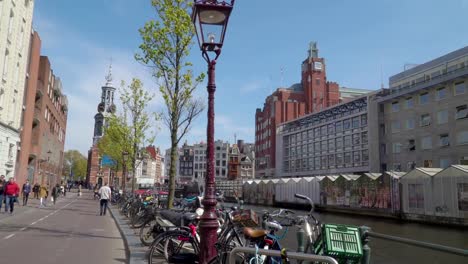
[109, 74]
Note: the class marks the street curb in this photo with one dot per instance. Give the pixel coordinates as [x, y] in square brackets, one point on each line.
[135, 253]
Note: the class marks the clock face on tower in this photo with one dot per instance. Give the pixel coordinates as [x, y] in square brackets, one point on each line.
[317, 66]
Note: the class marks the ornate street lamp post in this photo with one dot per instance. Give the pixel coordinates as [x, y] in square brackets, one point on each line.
[210, 18]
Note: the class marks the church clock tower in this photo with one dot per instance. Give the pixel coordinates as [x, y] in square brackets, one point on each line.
[96, 173]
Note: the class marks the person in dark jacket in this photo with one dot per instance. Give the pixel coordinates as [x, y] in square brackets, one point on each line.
[55, 192]
[36, 189]
[26, 191]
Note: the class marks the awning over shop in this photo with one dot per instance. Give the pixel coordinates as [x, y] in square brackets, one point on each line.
[275, 180]
[333, 177]
[454, 170]
[396, 174]
[350, 177]
[421, 173]
[309, 179]
[296, 179]
[373, 175]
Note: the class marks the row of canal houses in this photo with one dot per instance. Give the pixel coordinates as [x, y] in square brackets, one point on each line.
[424, 194]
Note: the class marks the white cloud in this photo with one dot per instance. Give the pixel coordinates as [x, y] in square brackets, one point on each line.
[254, 86]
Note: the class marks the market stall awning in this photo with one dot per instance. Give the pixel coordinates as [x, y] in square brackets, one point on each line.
[421, 173]
[454, 171]
[296, 179]
[350, 177]
[373, 175]
[396, 174]
[309, 179]
[333, 177]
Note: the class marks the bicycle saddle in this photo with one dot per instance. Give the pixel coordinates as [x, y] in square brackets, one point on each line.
[254, 233]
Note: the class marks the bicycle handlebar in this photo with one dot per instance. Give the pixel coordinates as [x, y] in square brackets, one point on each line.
[312, 207]
[273, 225]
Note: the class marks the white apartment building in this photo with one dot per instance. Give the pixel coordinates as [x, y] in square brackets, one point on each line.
[146, 173]
[15, 34]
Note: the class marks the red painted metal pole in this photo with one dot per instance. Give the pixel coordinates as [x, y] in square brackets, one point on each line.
[208, 224]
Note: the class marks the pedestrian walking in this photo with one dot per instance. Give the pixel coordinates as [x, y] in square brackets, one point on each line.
[43, 193]
[12, 191]
[26, 190]
[96, 192]
[55, 193]
[79, 190]
[2, 191]
[36, 190]
[105, 193]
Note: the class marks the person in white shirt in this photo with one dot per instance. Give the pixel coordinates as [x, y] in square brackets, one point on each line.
[105, 194]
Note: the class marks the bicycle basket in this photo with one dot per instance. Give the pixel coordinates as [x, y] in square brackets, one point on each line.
[246, 218]
[342, 242]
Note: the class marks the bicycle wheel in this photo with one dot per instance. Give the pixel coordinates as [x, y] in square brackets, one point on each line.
[180, 246]
[172, 245]
[146, 232]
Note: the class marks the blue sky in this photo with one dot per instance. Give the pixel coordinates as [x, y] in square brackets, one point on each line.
[359, 40]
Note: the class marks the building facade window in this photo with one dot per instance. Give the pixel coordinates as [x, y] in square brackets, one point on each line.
[395, 107]
[444, 140]
[461, 112]
[441, 93]
[426, 142]
[396, 148]
[364, 120]
[425, 120]
[365, 155]
[410, 123]
[424, 98]
[346, 124]
[411, 145]
[444, 163]
[409, 102]
[364, 137]
[347, 141]
[339, 127]
[356, 157]
[462, 137]
[339, 159]
[460, 88]
[355, 122]
[347, 158]
[396, 126]
[339, 143]
[356, 139]
[442, 117]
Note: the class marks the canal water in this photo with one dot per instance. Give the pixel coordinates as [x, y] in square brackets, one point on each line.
[383, 251]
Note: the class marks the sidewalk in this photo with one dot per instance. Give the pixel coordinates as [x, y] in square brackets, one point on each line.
[32, 206]
[136, 252]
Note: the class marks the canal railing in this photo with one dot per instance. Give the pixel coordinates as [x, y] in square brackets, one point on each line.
[366, 233]
[278, 253]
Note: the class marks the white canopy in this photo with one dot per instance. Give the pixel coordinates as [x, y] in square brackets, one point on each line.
[350, 177]
[309, 179]
[296, 179]
[421, 173]
[396, 174]
[373, 175]
[275, 180]
[333, 177]
[454, 170]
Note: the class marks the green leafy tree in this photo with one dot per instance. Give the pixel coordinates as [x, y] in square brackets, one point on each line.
[166, 43]
[74, 163]
[129, 131]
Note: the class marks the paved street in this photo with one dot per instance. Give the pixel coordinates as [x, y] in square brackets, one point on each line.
[69, 232]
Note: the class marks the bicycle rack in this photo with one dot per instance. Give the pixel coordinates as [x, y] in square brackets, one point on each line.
[277, 253]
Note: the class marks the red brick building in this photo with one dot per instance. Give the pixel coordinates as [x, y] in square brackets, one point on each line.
[44, 122]
[312, 94]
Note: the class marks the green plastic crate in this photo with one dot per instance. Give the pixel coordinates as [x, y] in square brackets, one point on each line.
[342, 242]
